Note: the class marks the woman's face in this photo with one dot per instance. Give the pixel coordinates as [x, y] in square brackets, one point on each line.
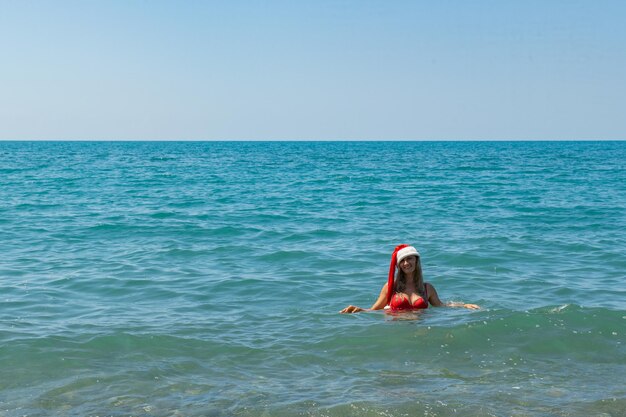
[408, 264]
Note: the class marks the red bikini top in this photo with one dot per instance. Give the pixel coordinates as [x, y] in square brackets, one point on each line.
[401, 302]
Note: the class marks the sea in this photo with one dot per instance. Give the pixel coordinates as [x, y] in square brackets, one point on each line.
[206, 278]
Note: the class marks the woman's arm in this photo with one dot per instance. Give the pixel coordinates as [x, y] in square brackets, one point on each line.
[434, 300]
[379, 304]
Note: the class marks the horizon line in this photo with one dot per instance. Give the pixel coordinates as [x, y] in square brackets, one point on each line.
[319, 140]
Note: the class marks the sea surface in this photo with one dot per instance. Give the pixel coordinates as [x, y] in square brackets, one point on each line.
[205, 278]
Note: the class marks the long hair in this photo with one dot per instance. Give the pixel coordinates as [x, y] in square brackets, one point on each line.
[418, 279]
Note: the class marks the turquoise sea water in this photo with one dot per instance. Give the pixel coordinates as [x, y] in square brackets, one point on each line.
[204, 279]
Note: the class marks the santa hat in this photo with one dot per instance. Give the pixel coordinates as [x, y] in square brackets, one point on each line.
[399, 253]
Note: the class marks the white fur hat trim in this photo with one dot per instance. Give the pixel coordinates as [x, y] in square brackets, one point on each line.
[404, 252]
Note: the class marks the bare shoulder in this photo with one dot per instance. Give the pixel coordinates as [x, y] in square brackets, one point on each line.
[433, 297]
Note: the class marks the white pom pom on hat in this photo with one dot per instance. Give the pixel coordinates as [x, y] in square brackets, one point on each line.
[404, 252]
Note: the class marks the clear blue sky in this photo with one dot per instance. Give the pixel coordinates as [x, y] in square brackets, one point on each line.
[320, 70]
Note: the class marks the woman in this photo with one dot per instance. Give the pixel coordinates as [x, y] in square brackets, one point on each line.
[408, 291]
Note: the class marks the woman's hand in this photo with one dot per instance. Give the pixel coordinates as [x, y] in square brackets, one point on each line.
[351, 309]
